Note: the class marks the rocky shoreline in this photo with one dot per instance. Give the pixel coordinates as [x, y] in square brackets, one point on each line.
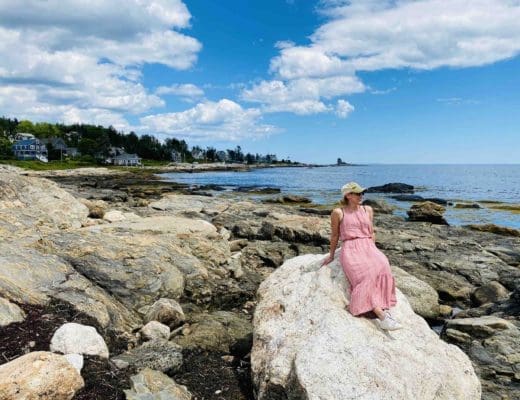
[100, 248]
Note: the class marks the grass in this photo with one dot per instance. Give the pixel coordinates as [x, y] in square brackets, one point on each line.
[72, 164]
[51, 165]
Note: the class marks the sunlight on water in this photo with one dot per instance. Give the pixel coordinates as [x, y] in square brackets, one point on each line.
[469, 183]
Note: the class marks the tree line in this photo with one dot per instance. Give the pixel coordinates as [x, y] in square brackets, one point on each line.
[94, 143]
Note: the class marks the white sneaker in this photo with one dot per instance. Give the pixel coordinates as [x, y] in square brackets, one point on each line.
[389, 323]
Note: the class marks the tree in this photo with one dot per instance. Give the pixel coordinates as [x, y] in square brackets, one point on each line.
[5, 148]
[25, 127]
[211, 154]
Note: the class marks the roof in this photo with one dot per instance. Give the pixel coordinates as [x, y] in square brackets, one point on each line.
[126, 156]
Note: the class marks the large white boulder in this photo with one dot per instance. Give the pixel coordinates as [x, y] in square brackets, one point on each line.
[308, 346]
[39, 375]
[73, 338]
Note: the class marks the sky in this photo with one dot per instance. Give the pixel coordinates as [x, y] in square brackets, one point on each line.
[368, 81]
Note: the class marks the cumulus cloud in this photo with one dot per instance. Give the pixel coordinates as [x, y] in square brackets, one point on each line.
[343, 108]
[222, 120]
[301, 96]
[78, 59]
[423, 34]
[371, 35]
[187, 91]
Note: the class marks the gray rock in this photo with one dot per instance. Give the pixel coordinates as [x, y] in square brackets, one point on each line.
[154, 330]
[492, 344]
[427, 211]
[10, 313]
[391, 188]
[379, 206]
[423, 299]
[490, 293]
[222, 331]
[160, 355]
[167, 312]
[154, 385]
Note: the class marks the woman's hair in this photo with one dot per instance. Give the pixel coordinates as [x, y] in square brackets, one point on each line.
[344, 201]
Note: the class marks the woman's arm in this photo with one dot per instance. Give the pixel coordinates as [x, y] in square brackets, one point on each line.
[370, 211]
[335, 219]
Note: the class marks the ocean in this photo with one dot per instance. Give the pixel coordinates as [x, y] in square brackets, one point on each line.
[483, 184]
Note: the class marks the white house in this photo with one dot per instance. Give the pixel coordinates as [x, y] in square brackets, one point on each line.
[127, 160]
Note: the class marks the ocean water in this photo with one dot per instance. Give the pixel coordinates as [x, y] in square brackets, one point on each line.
[455, 183]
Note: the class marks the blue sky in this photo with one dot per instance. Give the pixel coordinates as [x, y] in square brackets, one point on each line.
[370, 81]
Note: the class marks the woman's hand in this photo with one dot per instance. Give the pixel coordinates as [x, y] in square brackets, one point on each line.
[327, 260]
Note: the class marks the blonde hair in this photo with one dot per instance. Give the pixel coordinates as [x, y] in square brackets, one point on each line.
[344, 201]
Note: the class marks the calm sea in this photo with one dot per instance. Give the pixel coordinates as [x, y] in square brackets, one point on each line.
[469, 183]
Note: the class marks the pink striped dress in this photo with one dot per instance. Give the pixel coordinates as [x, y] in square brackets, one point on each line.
[366, 267]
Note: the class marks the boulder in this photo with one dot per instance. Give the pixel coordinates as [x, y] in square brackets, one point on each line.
[489, 293]
[307, 346]
[289, 199]
[391, 188]
[467, 205]
[36, 278]
[407, 197]
[10, 313]
[379, 206]
[499, 230]
[492, 344]
[421, 296]
[427, 211]
[295, 228]
[221, 331]
[165, 311]
[155, 330]
[160, 355]
[96, 208]
[31, 207]
[39, 375]
[154, 385]
[73, 338]
[76, 360]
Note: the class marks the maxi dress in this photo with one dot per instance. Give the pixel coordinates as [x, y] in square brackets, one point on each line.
[366, 267]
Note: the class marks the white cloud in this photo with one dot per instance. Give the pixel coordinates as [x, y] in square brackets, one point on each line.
[371, 35]
[78, 59]
[222, 120]
[186, 91]
[343, 108]
[301, 96]
[424, 34]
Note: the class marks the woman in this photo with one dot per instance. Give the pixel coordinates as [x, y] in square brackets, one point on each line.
[372, 286]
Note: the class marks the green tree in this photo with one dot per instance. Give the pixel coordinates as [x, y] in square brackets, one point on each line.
[25, 127]
[5, 148]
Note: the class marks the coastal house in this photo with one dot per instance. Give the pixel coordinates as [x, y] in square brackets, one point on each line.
[30, 149]
[197, 154]
[23, 136]
[113, 152]
[175, 156]
[127, 160]
[222, 156]
[73, 152]
[55, 144]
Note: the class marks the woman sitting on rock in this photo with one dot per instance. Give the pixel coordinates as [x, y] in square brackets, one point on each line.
[366, 267]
